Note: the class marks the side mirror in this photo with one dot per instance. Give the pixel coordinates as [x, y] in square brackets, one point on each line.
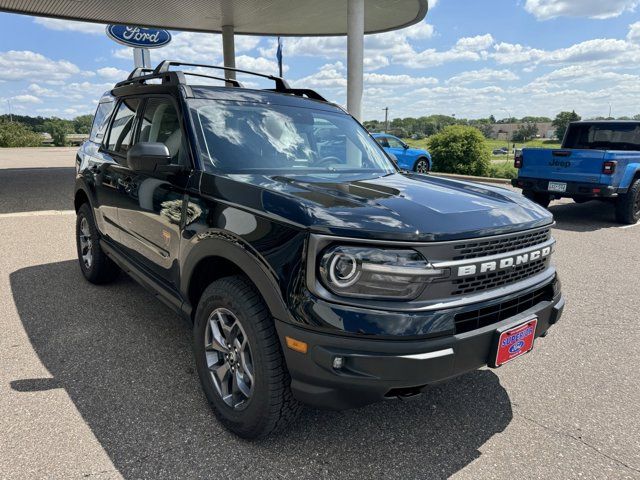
[150, 157]
[405, 146]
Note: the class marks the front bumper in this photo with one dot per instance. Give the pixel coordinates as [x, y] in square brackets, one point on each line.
[574, 189]
[377, 369]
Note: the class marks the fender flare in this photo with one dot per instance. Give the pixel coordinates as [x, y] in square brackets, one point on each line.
[631, 171]
[222, 245]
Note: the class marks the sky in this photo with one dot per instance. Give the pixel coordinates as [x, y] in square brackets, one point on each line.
[471, 58]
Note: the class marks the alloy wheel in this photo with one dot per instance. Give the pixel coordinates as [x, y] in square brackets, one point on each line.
[229, 358]
[86, 244]
[422, 166]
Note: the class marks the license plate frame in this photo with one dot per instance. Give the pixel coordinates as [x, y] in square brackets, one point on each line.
[513, 341]
[560, 187]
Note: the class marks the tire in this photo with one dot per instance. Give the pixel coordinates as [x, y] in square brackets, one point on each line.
[95, 265]
[263, 402]
[542, 199]
[628, 205]
[421, 165]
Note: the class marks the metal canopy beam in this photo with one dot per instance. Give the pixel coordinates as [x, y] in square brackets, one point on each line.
[257, 17]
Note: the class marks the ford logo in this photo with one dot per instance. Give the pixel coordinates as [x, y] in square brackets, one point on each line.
[138, 37]
[516, 347]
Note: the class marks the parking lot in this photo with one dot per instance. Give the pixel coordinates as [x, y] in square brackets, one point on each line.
[99, 381]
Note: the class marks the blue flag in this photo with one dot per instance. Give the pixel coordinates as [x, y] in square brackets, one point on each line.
[279, 55]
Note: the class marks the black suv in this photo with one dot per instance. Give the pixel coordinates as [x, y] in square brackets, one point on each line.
[313, 270]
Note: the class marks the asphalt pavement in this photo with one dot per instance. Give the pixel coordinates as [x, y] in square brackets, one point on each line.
[99, 382]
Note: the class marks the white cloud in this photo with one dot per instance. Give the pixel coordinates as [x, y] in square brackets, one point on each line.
[599, 9]
[70, 26]
[26, 98]
[397, 80]
[195, 47]
[42, 91]
[112, 73]
[470, 49]
[634, 32]
[484, 75]
[27, 65]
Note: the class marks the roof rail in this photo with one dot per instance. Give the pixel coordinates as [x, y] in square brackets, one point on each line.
[162, 72]
[164, 66]
[138, 72]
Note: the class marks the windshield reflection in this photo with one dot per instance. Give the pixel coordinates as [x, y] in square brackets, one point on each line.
[237, 137]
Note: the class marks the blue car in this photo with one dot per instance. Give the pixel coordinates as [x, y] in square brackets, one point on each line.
[408, 158]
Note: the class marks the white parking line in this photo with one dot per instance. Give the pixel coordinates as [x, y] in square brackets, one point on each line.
[631, 226]
[41, 213]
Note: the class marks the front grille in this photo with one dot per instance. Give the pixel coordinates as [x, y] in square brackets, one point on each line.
[467, 321]
[486, 281]
[485, 248]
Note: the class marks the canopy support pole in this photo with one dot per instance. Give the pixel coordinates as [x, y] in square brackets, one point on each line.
[229, 51]
[355, 56]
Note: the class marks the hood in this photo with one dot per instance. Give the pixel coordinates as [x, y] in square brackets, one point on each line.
[399, 206]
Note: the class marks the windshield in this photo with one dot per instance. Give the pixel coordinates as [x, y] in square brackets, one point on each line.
[605, 136]
[237, 137]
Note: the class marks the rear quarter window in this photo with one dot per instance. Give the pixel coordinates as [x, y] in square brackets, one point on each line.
[101, 121]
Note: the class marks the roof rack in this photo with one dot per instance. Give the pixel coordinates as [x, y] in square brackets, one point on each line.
[164, 66]
[140, 76]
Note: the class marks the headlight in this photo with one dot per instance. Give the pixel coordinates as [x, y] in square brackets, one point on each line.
[364, 272]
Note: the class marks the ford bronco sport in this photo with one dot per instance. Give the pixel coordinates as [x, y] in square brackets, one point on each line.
[312, 269]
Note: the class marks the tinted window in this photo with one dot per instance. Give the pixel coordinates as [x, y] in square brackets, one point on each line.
[383, 141]
[240, 137]
[395, 143]
[604, 136]
[122, 126]
[101, 121]
[160, 123]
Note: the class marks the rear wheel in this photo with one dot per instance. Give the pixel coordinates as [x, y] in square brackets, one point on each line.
[239, 360]
[542, 199]
[628, 205]
[421, 166]
[94, 263]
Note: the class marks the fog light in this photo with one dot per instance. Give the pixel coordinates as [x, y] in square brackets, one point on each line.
[338, 362]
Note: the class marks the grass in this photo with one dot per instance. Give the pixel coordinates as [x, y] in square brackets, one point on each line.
[501, 165]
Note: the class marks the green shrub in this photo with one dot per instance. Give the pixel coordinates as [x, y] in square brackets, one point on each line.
[503, 170]
[14, 134]
[460, 149]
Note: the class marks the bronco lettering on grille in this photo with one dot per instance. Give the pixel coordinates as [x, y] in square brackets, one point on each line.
[503, 263]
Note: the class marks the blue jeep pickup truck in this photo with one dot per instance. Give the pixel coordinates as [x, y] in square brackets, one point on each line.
[597, 160]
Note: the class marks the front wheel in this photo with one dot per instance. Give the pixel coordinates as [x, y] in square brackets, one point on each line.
[542, 199]
[421, 166]
[628, 205]
[239, 360]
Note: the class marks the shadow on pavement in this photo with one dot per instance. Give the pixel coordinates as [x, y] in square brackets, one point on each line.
[584, 217]
[36, 189]
[125, 361]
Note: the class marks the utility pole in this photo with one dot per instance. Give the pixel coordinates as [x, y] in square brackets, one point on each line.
[386, 119]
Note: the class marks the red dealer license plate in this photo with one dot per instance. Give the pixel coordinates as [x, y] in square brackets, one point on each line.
[515, 341]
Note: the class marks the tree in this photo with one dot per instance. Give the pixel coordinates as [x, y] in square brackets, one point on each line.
[525, 132]
[460, 149]
[562, 120]
[15, 134]
[82, 124]
[58, 129]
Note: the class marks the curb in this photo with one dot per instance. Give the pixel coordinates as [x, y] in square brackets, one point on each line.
[501, 181]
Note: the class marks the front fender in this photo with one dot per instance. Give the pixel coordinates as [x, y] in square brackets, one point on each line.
[629, 174]
[220, 244]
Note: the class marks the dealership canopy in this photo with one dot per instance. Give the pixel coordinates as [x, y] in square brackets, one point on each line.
[353, 18]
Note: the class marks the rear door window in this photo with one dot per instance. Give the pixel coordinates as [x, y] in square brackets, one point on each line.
[101, 121]
[122, 126]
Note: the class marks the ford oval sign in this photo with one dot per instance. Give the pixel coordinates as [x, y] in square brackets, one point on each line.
[139, 37]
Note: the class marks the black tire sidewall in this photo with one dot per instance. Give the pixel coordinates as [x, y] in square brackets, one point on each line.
[250, 421]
